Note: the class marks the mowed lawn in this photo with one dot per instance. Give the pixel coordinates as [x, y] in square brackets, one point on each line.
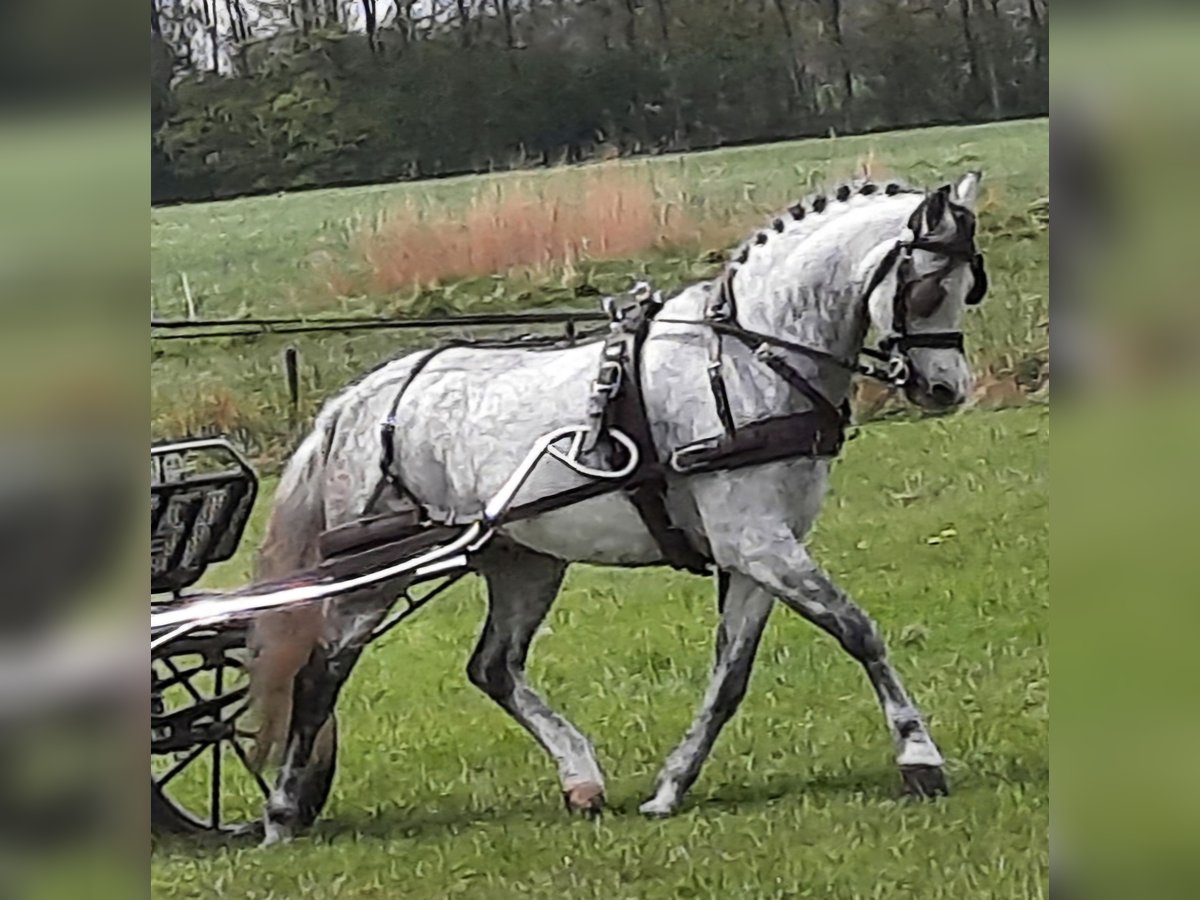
[938, 527]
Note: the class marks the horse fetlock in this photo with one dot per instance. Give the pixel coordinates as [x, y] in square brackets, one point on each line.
[251, 829]
[921, 764]
[281, 818]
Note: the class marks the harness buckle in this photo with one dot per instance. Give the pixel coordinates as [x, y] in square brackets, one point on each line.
[608, 379]
[897, 370]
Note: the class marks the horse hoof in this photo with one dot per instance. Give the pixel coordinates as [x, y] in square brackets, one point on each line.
[586, 799]
[275, 832]
[924, 781]
[657, 808]
[272, 838]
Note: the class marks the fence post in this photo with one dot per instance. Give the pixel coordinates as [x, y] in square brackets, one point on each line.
[291, 366]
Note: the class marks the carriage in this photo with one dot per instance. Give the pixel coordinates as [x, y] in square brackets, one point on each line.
[202, 494]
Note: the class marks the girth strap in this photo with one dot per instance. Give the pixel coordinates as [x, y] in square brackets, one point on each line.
[647, 489]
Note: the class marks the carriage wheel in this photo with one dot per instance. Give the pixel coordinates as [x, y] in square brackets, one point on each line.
[200, 775]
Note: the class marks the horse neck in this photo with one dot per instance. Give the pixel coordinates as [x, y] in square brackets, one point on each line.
[807, 286]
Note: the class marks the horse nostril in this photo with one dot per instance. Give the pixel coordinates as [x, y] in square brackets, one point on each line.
[942, 395]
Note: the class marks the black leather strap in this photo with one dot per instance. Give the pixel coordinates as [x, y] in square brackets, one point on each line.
[720, 318]
[387, 439]
[648, 488]
[935, 340]
[716, 383]
[809, 433]
[721, 307]
[551, 502]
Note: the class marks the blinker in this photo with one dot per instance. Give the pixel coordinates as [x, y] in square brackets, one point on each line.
[979, 285]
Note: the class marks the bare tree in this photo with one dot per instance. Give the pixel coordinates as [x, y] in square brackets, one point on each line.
[464, 22]
[631, 23]
[835, 23]
[794, 68]
[964, 8]
[214, 37]
[404, 22]
[662, 23]
[1039, 34]
[238, 29]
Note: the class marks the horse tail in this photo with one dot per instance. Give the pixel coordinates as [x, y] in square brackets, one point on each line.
[281, 641]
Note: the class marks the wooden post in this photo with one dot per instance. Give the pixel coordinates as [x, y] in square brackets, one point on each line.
[291, 366]
[187, 296]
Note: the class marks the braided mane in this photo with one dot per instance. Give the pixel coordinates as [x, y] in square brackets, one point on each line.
[813, 209]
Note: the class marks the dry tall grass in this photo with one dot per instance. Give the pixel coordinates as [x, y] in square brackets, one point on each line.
[602, 212]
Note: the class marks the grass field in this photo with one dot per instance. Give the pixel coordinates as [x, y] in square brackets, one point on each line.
[302, 254]
[939, 528]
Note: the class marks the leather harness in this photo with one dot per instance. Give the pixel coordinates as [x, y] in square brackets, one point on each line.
[617, 401]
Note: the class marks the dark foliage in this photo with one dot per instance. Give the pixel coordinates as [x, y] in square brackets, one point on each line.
[492, 84]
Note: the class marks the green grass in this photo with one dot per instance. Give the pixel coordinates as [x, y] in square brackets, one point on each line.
[265, 255]
[939, 528]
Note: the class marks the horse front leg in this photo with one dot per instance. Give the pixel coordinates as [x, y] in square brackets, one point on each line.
[795, 579]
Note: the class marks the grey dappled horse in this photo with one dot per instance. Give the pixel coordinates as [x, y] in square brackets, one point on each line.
[471, 415]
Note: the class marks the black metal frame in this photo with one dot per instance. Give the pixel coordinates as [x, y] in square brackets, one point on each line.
[201, 518]
[234, 487]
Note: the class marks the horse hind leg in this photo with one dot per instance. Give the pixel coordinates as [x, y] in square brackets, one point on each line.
[306, 771]
[744, 608]
[522, 586]
[292, 804]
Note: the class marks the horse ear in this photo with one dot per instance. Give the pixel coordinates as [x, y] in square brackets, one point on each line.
[966, 192]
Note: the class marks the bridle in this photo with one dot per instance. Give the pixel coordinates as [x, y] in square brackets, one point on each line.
[922, 294]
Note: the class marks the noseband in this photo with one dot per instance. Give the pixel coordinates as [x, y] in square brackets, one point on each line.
[922, 294]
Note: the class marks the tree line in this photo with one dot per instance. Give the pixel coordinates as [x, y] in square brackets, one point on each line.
[267, 95]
